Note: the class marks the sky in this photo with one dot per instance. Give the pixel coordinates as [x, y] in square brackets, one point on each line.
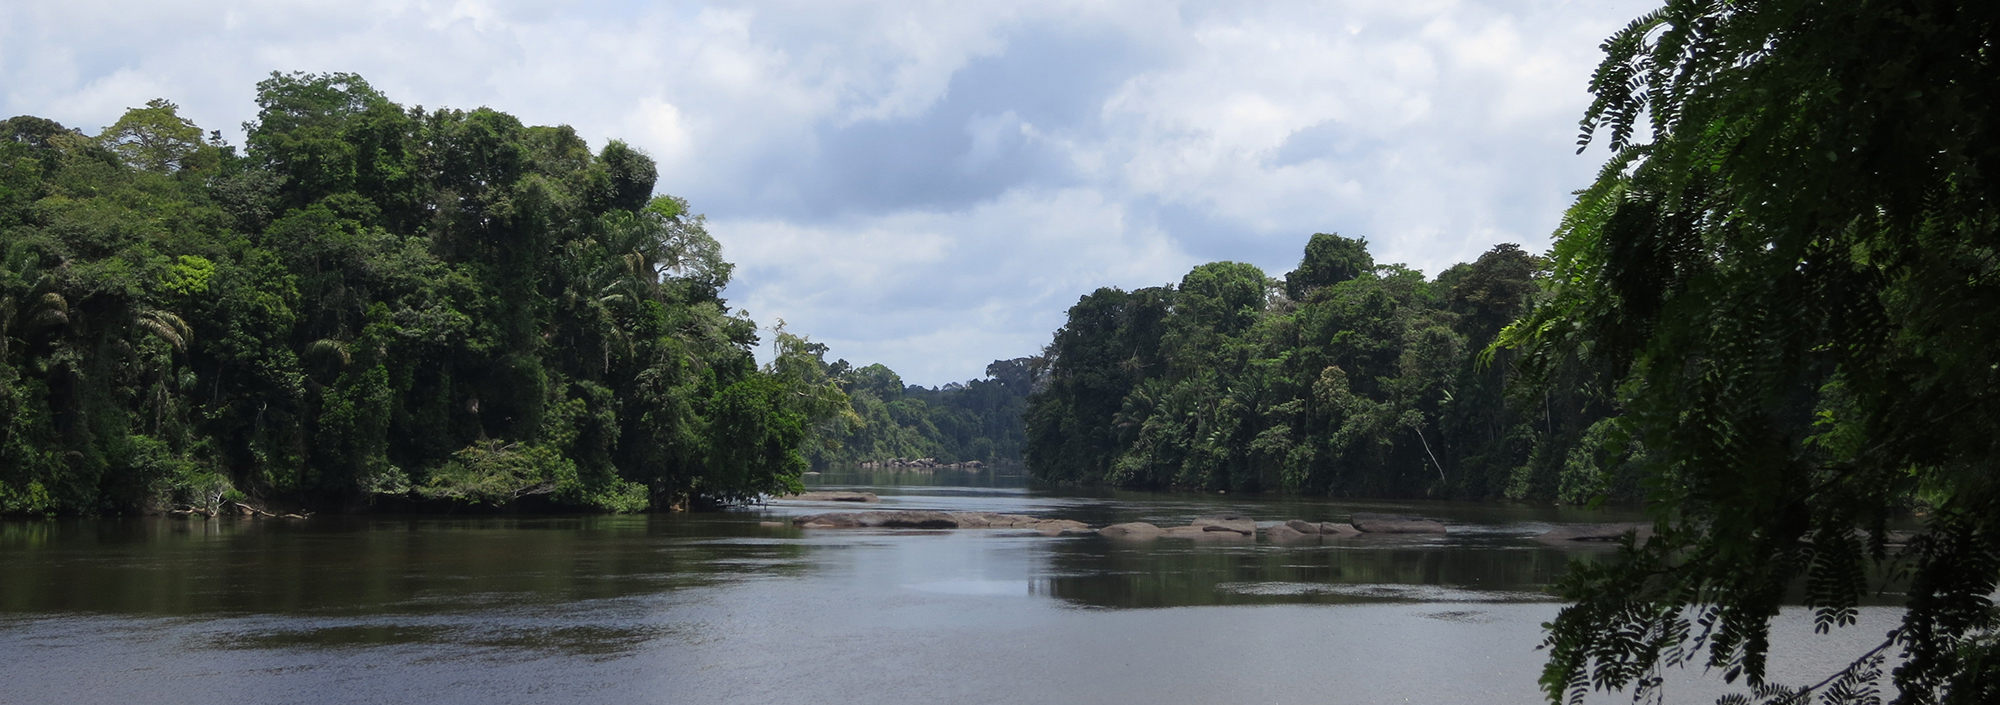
[931, 185]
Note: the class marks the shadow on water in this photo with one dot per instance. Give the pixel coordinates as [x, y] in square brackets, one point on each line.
[1176, 573]
[369, 565]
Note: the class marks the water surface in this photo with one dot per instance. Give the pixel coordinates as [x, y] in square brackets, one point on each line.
[721, 608]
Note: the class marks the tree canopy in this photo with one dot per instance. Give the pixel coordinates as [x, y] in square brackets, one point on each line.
[1347, 378]
[373, 304]
[1787, 280]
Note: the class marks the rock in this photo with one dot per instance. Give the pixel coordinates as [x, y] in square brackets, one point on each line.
[1136, 531]
[909, 520]
[973, 520]
[771, 524]
[990, 520]
[1327, 528]
[915, 519]
[837, 520]
[886, 520]
[1396, 524]
[1184, 532]
[1285, 532]
[1239, 524]
[1303, 527]
[1013, 520]
[1594, 532]
[1062, 527]
[835, 497]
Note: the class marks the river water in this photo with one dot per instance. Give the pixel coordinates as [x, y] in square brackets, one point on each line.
[722, 608]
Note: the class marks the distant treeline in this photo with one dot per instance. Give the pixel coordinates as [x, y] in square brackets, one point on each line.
[976, 420]
[373, 304]
[1344, 378]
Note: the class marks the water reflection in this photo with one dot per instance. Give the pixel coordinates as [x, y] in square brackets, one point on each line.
[723, 608]
[1167, 573]
[368, 565]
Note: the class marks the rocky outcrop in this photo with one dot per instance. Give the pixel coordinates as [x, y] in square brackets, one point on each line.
[914, 519]
[834, 497]
[1135, 531]
[1396, 524]
[1595, 532]
[1063, 527]
[887, 520]
[923, 464]
[1239, 524]
[1209, 528]
[990, 520]
[1286, 533]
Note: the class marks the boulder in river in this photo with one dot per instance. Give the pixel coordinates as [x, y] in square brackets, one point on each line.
[991, 520]
[1327, 528]
[1211, 534]
[1285, 532]
[1594, 532]
[915, 519]
[1303, 527]
[886, 520]
[1062, 527]
[1187, 532]
[1239, 524]
[1396, 524]
[1136, 531]
[835, 497]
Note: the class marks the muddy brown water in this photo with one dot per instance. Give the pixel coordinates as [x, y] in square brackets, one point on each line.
[715, 608]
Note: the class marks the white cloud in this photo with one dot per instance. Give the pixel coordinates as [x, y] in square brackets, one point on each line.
[931, 184]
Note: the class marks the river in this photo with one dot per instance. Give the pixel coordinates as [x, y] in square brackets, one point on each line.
[722, 608]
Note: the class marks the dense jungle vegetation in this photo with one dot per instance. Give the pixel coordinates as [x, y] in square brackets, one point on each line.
[974, 420]
[1786, 279]
[372, 303]
[1343, 378]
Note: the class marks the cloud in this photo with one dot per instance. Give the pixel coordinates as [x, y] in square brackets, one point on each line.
[927, 184]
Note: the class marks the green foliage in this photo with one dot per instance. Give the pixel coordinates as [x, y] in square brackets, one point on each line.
[975, 420]
[374, 304]
[1330, 259]
[1359, 381]
[1785, 278]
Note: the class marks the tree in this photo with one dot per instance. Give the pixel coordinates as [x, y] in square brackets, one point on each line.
[1785, 279]
[157, 138]
[1330, 259]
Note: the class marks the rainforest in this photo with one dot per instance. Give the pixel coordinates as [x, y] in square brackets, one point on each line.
[381, 307]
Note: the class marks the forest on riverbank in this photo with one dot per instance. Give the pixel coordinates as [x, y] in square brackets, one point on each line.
[1343, 378]
[373, 304]
[382, 306]
[977, 419]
